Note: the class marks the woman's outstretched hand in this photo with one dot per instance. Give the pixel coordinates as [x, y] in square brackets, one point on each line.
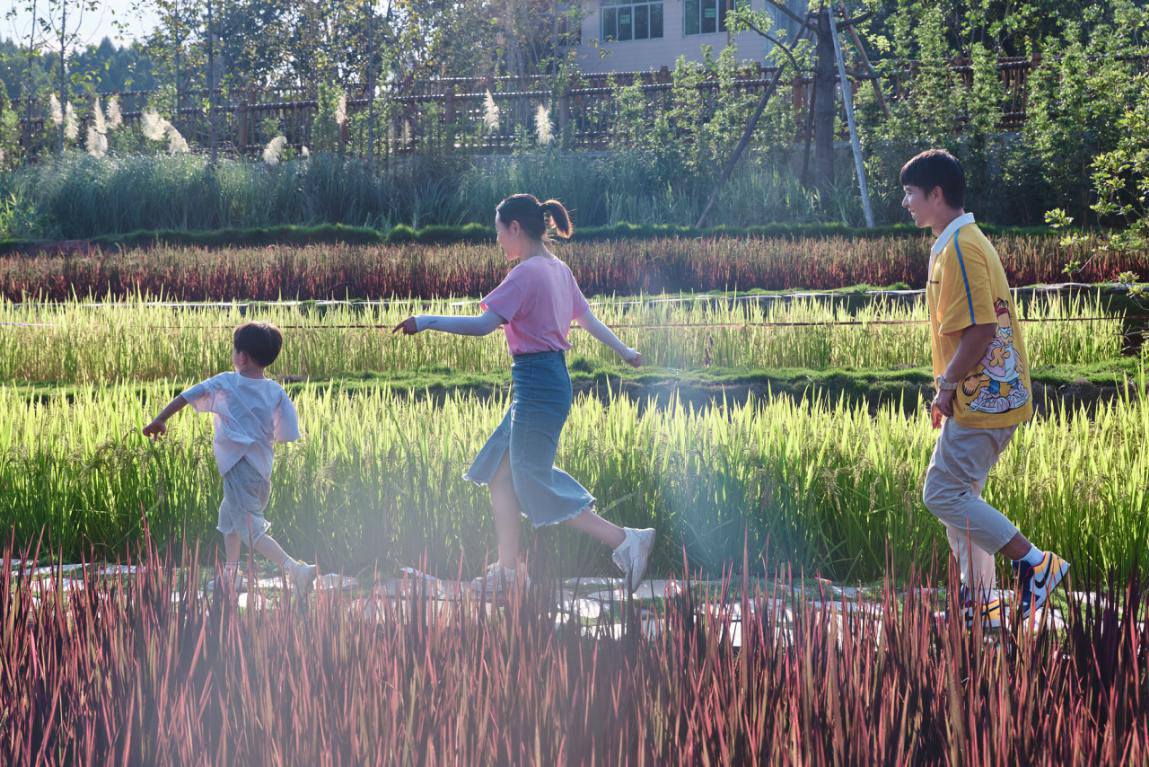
[408, 327]
[632, 357]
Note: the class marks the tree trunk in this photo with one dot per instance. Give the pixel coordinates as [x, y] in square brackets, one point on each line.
[825, 83]
[809, 137]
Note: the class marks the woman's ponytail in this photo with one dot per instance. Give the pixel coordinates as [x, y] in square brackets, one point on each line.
[559, 217]
[532, 215]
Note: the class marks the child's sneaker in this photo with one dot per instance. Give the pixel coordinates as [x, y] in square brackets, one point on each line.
[1038, 581]
[633, 554]
[301, 576]
[989, 611]
[498, 581]
[229, 578]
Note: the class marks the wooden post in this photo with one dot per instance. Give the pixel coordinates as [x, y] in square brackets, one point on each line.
[64, 95]
[26, 90]
[211, 81]
[855, 145]
[866, 63]
[241, 127]
[344, 134]
[565, 116]
[370, 86]
[449, 117]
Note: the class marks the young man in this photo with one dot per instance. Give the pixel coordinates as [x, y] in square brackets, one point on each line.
[983, 390]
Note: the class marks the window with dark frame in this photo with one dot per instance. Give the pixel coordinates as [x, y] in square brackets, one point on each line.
[622, 20]
[705, 17]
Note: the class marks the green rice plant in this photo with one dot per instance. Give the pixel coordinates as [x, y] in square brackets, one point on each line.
[136, 340]
[824, 485]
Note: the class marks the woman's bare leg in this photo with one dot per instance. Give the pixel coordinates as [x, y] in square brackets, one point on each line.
[596, 527]
[507, 519]
[507, 513]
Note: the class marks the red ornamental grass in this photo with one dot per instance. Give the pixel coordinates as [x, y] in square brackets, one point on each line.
[623, 267]
[143, 669]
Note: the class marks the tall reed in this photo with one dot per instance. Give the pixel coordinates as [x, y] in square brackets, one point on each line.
[142, 669]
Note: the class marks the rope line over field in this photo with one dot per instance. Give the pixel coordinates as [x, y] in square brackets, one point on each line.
[636, 326]
[731, 297]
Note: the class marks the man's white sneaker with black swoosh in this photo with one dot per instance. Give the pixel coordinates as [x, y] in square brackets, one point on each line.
[1038, 581]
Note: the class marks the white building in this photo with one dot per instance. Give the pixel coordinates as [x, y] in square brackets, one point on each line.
[645, 35]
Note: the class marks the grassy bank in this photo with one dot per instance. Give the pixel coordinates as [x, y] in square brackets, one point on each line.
[330, 234]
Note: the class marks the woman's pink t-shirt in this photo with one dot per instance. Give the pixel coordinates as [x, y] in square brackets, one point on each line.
[539, 299]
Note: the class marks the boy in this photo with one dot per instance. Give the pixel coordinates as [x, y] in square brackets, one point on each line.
[983, 390]
[251, 412]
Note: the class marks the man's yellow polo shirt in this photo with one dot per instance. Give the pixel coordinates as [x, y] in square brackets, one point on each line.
[967, 286]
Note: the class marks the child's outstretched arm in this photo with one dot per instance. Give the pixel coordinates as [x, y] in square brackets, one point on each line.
[159, 424]
[606, 336]
[484, 324]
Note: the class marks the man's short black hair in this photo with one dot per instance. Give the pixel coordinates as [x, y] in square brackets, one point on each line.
[261, 341]
[936, 168]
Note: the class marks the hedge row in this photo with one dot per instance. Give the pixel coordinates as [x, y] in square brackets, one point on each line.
[472, 233]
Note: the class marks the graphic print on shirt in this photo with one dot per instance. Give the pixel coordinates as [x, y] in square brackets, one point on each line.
[995, 385]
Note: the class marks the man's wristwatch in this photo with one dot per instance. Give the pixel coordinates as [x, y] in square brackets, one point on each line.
[944, 384]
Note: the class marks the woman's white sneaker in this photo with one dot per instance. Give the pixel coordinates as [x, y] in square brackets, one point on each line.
[633, 554]
[302, 576]
[498, 581]
[229, 578]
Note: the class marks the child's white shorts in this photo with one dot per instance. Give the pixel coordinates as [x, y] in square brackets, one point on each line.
[245, 496]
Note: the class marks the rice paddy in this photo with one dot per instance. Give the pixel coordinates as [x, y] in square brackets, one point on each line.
[377, 478]
[138, 339]
[743, 653]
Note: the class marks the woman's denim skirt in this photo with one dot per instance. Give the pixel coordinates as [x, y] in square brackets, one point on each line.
[540, 403]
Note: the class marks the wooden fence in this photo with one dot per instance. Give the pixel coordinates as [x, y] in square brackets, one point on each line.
[447, 114]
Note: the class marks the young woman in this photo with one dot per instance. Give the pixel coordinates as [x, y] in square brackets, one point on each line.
[535, 305]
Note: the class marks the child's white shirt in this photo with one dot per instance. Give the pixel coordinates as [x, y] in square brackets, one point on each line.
[250, 415]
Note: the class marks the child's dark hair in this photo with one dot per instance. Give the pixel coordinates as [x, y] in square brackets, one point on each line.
[936, 168]
[261, 341]
[532, 215]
